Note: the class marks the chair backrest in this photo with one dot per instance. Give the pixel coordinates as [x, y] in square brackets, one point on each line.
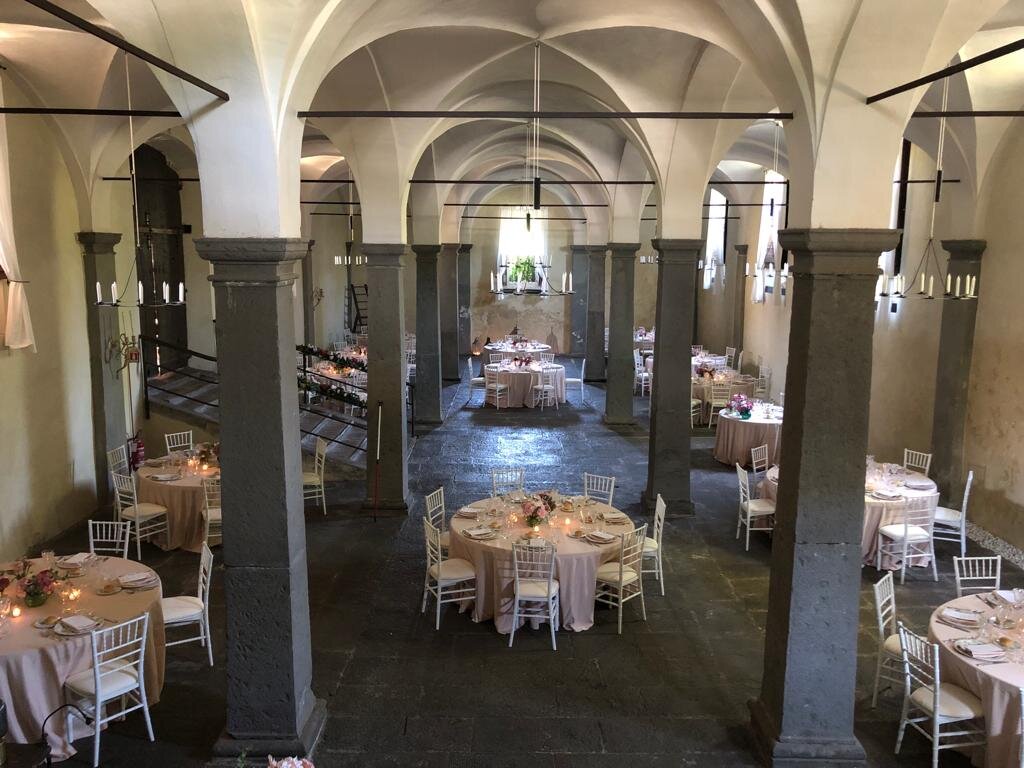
[118, 647]
[205, 575]
[764, 372]
[109, 537]
[720, 393]
[509, 355]
[496, 357]
[533, 562]
[638, 362]
[600, 487]
[761, 388]
[547, 357]
[506, 480]
[963, 508]
[211, 493]
[659, 519]
[432, 541]
[547, 376]
[178, 441]
[410, 356]
[916, 511]
[977, 574]
[490, 375]
[885, 606]
[917, 460]
[631, 548]
[759, 458]
[124, 492]
[117, 460]
[320, 458]
[435, 508]
[739, 361]
[919, 663]
[743, 479]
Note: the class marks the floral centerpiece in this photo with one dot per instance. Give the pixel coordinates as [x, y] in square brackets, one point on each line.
[535, 512]
[37, 588]
[741, 404]
[705, 370]
[289, 762]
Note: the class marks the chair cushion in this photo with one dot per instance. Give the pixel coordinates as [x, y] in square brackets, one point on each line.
[609, 573]
[453, 570]
[181, 608]
[759, 507]
[120, 680]
[896, 531]
[143, 511]
[574, 381]
[650, 545]
[446, 539]
[892, 645]
[213, 513]
[310, 478]
[498, 387]
[954, 702]
[477, 381]
[537, 588]
[947, 516]
[696, 402]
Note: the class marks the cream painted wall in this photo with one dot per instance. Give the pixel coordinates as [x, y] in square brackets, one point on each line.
[329, 234]
[47, 477]
[994, 446]
[202, 332]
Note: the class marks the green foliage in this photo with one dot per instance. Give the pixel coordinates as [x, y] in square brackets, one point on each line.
[522, 269]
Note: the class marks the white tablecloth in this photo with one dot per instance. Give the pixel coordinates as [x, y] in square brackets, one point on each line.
[734, 438]
[527, 348]
[184, 500]
[34, 665]
[521, 381]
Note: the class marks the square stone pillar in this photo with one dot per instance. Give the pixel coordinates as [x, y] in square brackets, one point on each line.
[953, 371]
[736, 288]
[619, 390]
[387, 482]
[428, 337]
[448, 297]
[465, 296]
[804, 715]
[308, 321]
[578, 310]
[668, 457]
[595, 312]
[271, 708]
[104, 328]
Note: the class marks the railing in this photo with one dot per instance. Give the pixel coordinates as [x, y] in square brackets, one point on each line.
[355, 312]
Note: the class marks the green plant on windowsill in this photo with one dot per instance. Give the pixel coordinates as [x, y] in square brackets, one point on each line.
[522, 269]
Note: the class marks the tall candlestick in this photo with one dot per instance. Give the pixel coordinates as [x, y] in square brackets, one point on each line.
[931, 286]
[957, 292]
[113, 292]
[140, 293]
[922, 283]
[949, 283]
[181, 293]
[570, 282]
[99, 293]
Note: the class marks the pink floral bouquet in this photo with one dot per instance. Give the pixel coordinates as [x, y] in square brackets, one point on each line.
[289, 762]
[741, 404]
[37, 587]
[534, 512]
[705, 370]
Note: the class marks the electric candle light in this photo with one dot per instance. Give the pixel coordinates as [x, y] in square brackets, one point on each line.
[181, 293]
[922, 283]
[931, 287]
[949, 283]
[99, 293]
[957, 285]
[113, 292]
[140, 292]
[570, 282]
[563, 282]
[15, 611]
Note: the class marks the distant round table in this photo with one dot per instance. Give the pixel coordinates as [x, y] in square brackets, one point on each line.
[531, 346]
[34, 663]
[521, 380]
[576, 564]
[735, 437]
[185, 502]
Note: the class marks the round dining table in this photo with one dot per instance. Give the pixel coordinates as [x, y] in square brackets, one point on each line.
[525, 348]
[521, 379]
[997, 685]
[34, 663]
[738, 384]
[576, 561]
[736, 436]
[184, 500]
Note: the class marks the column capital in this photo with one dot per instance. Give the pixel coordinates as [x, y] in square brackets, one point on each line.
[425, 251]
[678, 251]
[94, 243]
[450, 246]
[624, 250]
[597, 250]
[838, 251]
[579, 248]
[240, 261]
[964, 250]
[383, 254]
[464, 248]
[741, 248]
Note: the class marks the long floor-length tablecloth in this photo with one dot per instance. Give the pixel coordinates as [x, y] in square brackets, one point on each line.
[576, 564]
[34, 664]
[184, 500]
[737, 385]
[521, 381]
[735, 437]
[996, 685]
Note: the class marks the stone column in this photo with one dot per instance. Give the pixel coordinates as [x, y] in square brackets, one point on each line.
[736, 286]
[271, 708]
[387, 485]
[448, 296]
[804, 715]
[595, 312]
[619, 390]
[668, 459]
[308, 322]
[578, 312]
[465, 300]
[104, 328]
[428, 337]
[952, 373]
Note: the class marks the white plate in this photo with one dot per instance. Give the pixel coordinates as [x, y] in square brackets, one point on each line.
[962, 645]
[883, 496]
[165, 477]
[920, 485]
[154, 462]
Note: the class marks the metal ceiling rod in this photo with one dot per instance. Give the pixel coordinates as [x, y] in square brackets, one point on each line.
[92, 112]
[546, 182]
[535, 218]
[974, 61]
[124, 45]
[532, 114]
[329, 202]
[546, 205]
[970, 113]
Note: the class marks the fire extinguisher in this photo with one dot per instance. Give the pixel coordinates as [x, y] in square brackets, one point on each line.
[137, 450]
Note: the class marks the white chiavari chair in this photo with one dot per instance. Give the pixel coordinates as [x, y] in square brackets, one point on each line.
[620, 581]
[494, 391]
[977, 574]
[547, 357]
[696, 407]
[110, 537]
[905, 533]
[178, 441]
[147, 520]
[115, 684]
[730, 356]
[641, 376]
[739, 362]
[510, 355]
[449, 580]
[535, 594]
[761, 388]
[545, 393]
[495, 357]
[720, 394]
[917, 461]
[600, 487]
[436, 514]
[186, 610]
[117, 460]
[759, 462]
[941, 712]
[951, 524]
[754, 514]
[475, 382]
[571, 382]
[213, 518]
[313, 482]
[507, 480]
[652, 545]
[889, 663]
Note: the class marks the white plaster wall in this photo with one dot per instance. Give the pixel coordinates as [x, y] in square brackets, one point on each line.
[329, 234]
[47, 478]
[202, 331]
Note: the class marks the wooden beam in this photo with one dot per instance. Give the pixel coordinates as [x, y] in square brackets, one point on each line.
[530, 114]
[90, 112]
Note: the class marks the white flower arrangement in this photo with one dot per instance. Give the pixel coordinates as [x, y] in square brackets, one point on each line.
[289, 762]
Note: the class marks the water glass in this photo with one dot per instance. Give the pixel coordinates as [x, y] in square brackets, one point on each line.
[49, 559]
[5, 611]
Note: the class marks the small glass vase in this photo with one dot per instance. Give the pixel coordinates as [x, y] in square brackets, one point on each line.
[745, 415]
[34, 601]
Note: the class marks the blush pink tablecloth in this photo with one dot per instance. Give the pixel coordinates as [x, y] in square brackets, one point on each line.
[184, 501]
[34, 666]
[735, 437]
[995, 684]
[576, 564]
[737, 385]
[521, 381]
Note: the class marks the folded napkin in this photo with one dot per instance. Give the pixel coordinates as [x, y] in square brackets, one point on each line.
[76, 559]
[920, 484]
[981, 650]
[466, 512]
[1005, 595]
[961, 615]
[140, 577]
[600, 536]
[478, 532]
[78, 623]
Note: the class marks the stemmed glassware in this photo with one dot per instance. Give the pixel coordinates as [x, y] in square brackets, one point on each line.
[6, 604]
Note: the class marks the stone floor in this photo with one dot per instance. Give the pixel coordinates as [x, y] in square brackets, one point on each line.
[668, 692]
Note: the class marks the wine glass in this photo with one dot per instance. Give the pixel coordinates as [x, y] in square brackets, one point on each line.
[6, 604]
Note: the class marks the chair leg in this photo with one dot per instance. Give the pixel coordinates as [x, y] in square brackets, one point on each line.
[209, 639]
[96, 736]
[903, 727]
[138, 545]
[515, 620]
[426, 593]
[935, 566]
[437, 621]
[748, 534]
[661, 573]
[878, 676]
[551, 622]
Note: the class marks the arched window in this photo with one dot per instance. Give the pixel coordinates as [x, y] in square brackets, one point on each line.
[768, 257]
[714, 246]
[522, 247]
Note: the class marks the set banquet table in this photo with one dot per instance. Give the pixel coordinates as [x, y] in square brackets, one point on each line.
[528, 345]
[35, 662]
[521, 377]
[712, 362]
[576, 559]
[738, 384]
[736, 436]
[886, 488]
[171, 483]
[995, 681]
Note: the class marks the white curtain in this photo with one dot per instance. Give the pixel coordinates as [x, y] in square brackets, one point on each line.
[15, 321]
[515, 241]
[768, 250]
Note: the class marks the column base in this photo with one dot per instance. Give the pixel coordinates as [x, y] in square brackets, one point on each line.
[431, 422]
[228, 750]
[673, 507]
[615, 421]
[385, 508]
[778, 751]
